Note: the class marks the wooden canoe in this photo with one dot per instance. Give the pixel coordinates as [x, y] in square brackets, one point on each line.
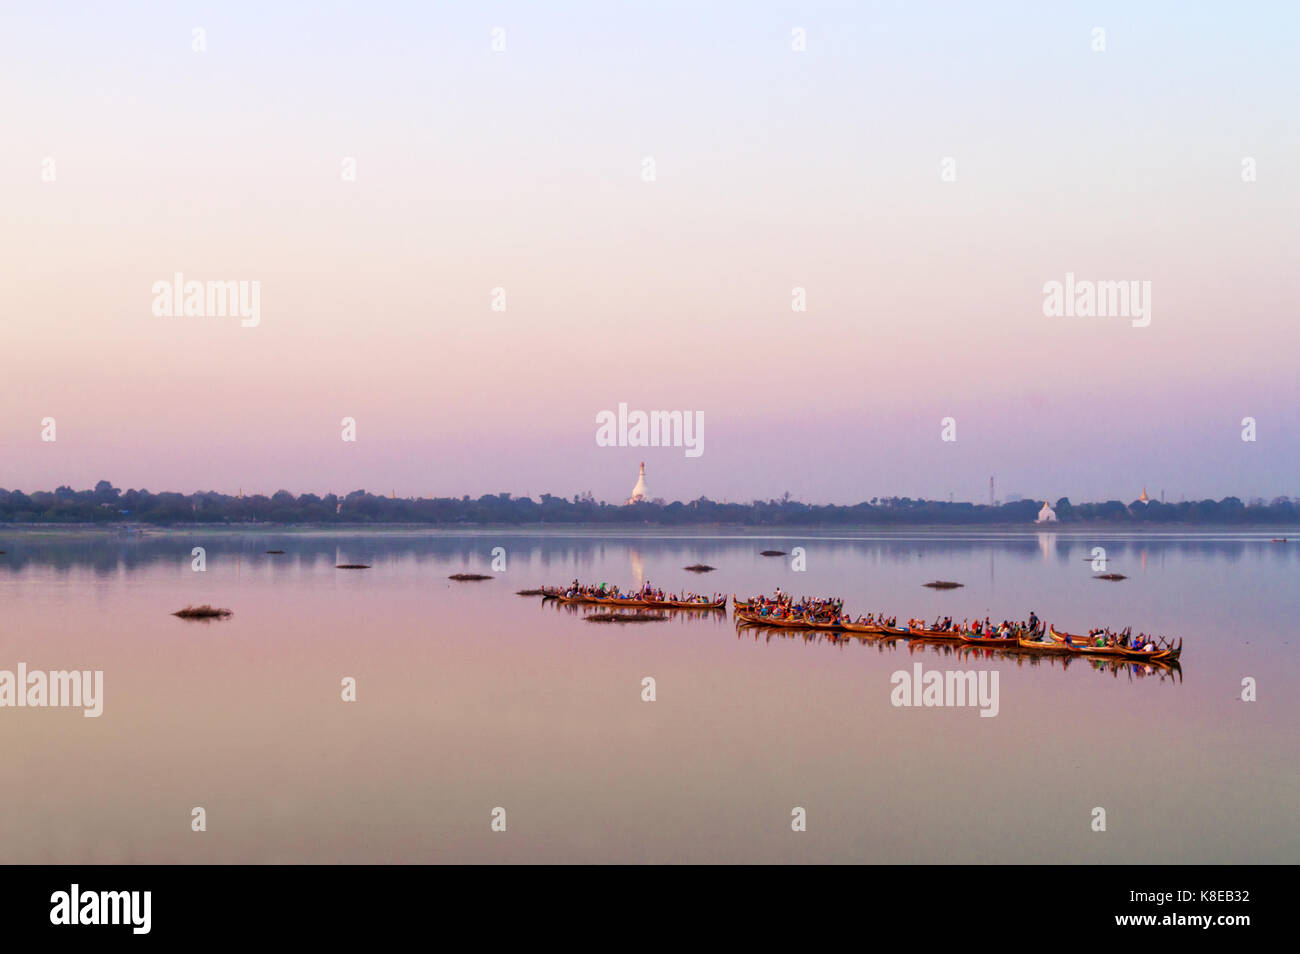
[719, 604]
[1060, 637]
[952, 634]
[872, 629]
[781, 622]
[663, 604]
[1087, 647]
[988, 640]
[1162, 654]
[1043, 646]
[1083, 645]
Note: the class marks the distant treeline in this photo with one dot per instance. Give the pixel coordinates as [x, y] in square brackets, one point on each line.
[108, 505]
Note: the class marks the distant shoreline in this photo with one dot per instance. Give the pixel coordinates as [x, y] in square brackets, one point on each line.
[107, 506]
[749, 530]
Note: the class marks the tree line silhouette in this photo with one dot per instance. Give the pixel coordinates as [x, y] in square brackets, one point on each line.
[108, 505]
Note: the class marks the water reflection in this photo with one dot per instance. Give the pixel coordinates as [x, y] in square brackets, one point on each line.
[109, 553]
[472, 697]
[958, 652]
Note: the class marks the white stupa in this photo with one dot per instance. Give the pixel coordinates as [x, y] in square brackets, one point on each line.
[640, 492]
[1047, 514]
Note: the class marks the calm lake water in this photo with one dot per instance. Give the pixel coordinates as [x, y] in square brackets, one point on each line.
[471, 698]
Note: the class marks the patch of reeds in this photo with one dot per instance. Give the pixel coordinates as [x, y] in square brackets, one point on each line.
[771, 553]
[352, 566]
[699, 568]
[274, 551]
[203, 612]
[943, 585]
[1111, 576]
[468, 576]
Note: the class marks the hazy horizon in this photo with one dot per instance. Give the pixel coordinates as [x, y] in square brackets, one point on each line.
[1001, 499]
[522, 169]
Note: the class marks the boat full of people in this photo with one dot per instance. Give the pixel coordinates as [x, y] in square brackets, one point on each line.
[782, 610]
[647, 597]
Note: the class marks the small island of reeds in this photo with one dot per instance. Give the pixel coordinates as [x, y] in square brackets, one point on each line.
[699, 568]
[468, 576]
[203, 612]
[1110, 576]
[771, 553]
[943, 585]
[274, 551]
[352, 566]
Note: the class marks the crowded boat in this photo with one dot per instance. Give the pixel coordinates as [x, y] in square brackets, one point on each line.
[786, 611]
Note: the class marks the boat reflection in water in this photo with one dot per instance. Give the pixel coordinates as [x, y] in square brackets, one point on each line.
[1133, 669]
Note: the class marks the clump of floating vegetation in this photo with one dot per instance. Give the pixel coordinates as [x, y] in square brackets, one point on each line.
[1111, 576]
[468, 576]
[530, 592]
[943, 585]
[352, 566]
[203, 612]
[274, 551]
[625, 617]
[700, 568]
[771, 553]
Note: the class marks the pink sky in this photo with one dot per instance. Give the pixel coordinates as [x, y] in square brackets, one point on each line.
[522, 170]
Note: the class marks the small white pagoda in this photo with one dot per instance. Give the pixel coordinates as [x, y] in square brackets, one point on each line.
[1046, 515]
[640, 492]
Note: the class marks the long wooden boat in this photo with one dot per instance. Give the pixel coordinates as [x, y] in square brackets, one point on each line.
[988, 640]
[781, 622]
[1085, 647]
[1161, 654]
[1043, 646]
[1065, 637]
[873, 629]
[720, 604]
[950, 634]
[1080, 644]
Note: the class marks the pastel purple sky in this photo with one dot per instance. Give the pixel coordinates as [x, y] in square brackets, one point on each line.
[522, 169]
